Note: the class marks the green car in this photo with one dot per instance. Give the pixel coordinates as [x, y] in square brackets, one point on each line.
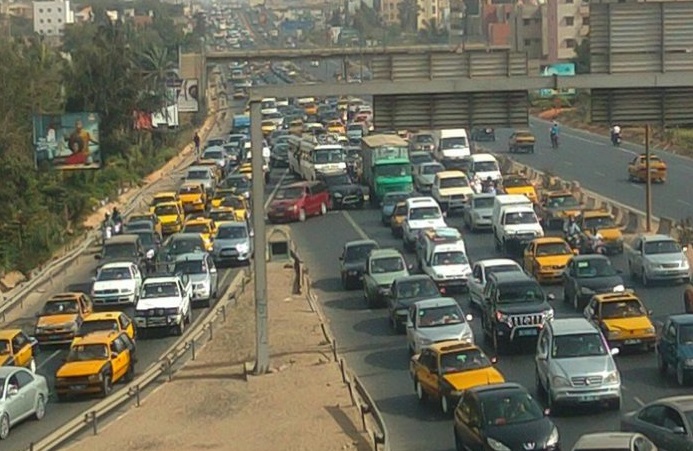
[382, 268]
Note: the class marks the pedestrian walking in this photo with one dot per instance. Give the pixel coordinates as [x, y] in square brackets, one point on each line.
[196, 140]
[688, 299]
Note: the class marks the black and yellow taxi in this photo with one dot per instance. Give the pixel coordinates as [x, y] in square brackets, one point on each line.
[623, 319]
[95, 363]
[163, 197]
[443, 371]
[193, 197]
[221, 215]
[519, 184]
[17, 349]
[637, 169]
[171, 216]
[239, 205]
[601, 222]
[219, 195]
[109, 322]
[557, 206]
[204, 226]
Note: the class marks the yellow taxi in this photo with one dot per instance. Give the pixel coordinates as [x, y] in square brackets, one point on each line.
[519, 184]
[219, 195]
[445, 370]
[239, 206]
[268, 126]
[17, 349]
[193, 197]
[247, 170]
[623, 319]
[221, 215]
[397, 219]
[171, 215]
[163, 197]
[521, 141]
[557, 206]
[599, 221]
[204, 226]
[109, 322]
[296, 127]
[212, 164]
[158, 228]
[637, 169]
[343, 104]
[311, 109]
[336, 127]
[59, 319]
[546, 258]
[96, 362]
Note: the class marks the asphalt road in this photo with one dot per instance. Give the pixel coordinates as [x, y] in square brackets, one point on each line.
[380, 358]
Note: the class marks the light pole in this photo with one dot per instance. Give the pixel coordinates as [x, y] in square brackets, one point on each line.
[259, 240]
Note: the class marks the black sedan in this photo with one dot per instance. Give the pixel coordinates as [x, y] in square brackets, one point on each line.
[587, 275]
[503, 416]
[279, 156]
[345, 193]
[667, 422]
[353, 261]
[403, 293]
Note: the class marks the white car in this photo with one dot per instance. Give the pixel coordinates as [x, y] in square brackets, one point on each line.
[422, 213]
[434, 320]
[481, 271]
[117, 283]
[22, 394]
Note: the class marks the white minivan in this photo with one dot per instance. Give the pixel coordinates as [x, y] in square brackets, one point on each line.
[484, 166]
[453, 144]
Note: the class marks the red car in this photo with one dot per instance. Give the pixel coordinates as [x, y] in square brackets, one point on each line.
[298, 201]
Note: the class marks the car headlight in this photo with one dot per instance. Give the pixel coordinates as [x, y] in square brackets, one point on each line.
[548, 314]
[553, 438]
[467, 335]
[560, 381]
[125, 291]
[438, 275]
[614, 334]
[496, 445]
[242, 247]
[684, 263]
[612, 378]
[650, 330]
[651, 265]
[587, 291]
[337, 195]
[618, 289]
[502, 318]
[688, 362]
[383, 290]
[96, 377]
[425, 341]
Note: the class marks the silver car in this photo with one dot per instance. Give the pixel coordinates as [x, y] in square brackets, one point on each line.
[434, 320]
[477, 211]
[203, 274]
[424, 174]
[658, 257]
[202, 175]
[233, 243]
[218, 155]
[22, 394]
[574, 365]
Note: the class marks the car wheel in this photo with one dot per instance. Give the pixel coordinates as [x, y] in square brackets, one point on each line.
[661, 364]
[180, 328]
[40, 410]
[444, 405]
[323, 209]
[615, 404]
[32, 366]
[643, 278]
[681, 377]
[420, 393]
[576, 302]
[130, 375]
[537, 384]
[302, 215]
[4, 427]
[550, 404]
[106, 385]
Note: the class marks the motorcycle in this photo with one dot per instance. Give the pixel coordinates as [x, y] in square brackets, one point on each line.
[575, 241]
[554, 141]
[106, 233]
[616, 139]
[150, 263]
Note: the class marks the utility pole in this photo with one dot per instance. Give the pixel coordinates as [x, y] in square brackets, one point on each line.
[259, 240]
[648, 181]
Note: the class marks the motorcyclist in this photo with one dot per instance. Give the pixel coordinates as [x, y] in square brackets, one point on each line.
[616, 134]
[553, 131]
[598, 245]
[107, 227]
[477, 185]
[572, 231]
[117, 221]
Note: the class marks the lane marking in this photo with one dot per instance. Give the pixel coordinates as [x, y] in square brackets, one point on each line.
[567, 163]
[684, 202]
[48, 359]
[356, 227]
[601, 174]
[276, 188]
[639, 401]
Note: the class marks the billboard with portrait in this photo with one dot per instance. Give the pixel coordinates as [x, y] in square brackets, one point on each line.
[68, 141]
[187, 94]
[560, 70]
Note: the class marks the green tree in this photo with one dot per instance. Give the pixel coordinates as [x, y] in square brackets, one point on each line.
[582, 57]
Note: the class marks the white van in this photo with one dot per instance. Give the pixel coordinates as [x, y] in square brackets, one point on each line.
[453, 144]
[422, 213]
[268, 105]
[506, 200]
[514, 227]
[484, 166]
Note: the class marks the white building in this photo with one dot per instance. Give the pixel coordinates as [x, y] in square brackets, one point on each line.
[50, 17]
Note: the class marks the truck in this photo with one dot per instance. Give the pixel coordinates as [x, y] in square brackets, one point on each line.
[164, 304]
[386, 165]
[453, 144]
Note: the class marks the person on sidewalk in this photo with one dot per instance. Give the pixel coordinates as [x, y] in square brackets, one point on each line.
[196, 140]
[688, 299]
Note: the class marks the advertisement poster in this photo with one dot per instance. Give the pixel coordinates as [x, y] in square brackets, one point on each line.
[67, 142]
[560, 70]
[188, 95]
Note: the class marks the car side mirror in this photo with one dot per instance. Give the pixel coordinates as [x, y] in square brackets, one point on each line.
[114, 355]
[649, 313]
[547, 412]
[341, 259]
[541, 356]
[252, 233]
[12, 391]
[477, 280]
[37, 314]
[410, 266]
[140, 254]
[615, 351]
[410, 325]
[468, 317]
[551, 297]
[97, 257]
[494, 360]
[576, 251]
[212, 270]
[619, 271]
[678, 430]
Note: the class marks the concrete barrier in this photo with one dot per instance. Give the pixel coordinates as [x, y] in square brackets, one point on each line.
[619, 215]
[666, 226]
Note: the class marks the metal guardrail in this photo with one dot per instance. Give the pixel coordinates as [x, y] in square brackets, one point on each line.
[372, 421]
[15, 298]
[186, 346]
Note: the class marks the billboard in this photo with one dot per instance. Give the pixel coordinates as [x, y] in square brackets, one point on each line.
[67, 141]
[187, 94]
[560, 70]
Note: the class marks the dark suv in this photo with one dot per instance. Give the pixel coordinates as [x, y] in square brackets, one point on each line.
[345, 193]
[122, 248]
[514, 307]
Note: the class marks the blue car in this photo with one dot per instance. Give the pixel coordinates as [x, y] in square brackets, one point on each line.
[388, 204]
[675, 348]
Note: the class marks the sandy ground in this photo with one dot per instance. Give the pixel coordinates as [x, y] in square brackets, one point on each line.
[301, 405]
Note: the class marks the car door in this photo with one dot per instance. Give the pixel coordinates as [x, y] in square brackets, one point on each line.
[428, 366]
[528, 258]
[137, 275]
[14, 403]
[476, 284]
[542, 356]
[27, 391]
[650, 422]
[569, 281]
[667, 343]
[676, 435]
[126, 325]
[634, 256]
[367, 279]
[22, 349]
[411, 326]
[120, 358]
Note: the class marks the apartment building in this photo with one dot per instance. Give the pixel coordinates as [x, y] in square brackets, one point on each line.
[389, 11]
[50, 17]
[433, 13]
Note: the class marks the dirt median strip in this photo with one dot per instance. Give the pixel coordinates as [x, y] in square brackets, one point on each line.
[302, 405]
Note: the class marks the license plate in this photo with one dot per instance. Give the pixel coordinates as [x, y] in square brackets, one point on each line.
[54, 337]
[527, 332]
[78, 387]
[631, 342]
[587, 398]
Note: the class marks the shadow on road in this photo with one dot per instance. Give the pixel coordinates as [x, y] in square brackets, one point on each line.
[409, 406]
[391, 359]
[328, 285]
[353, 303]
[376, 327]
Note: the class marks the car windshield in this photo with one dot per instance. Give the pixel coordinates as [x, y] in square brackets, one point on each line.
[358, 253]
[141, 225]
[190, 267]
[190, 190]
[453, 143]
[221, 216]
[483, 203]
[454, 182]
[424, 213]
[553, 249]
[432, 169]
[233, 202]
[394, 199]
[416, 289]
[400, 210]
[502, 268]
[624, 309]
[166, 210]
[114, 274]
[386, 265]
[485, 166]
[289, 193]
[520, 293]
[336, 180]
[183, 246]
[231, 233]
[686, 334]
[83, 353]
[598, 222]
[237, 183]
[280, 149]
[196, 228]
[424, 139]
[562, 202]
[577, 345]
[598, 267]
[440, 316]
[464, 360]
[198, 175]
[449, 258]
[328, 156]
[163, 199]
[662, 247]
[88, 327]
[160, 290]
[515, 182]
[393, 170]
[420, 158]
[126, 250]
[520, 217]
[212, 155]
[510, 408]
[4, 349]
[141, 217]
